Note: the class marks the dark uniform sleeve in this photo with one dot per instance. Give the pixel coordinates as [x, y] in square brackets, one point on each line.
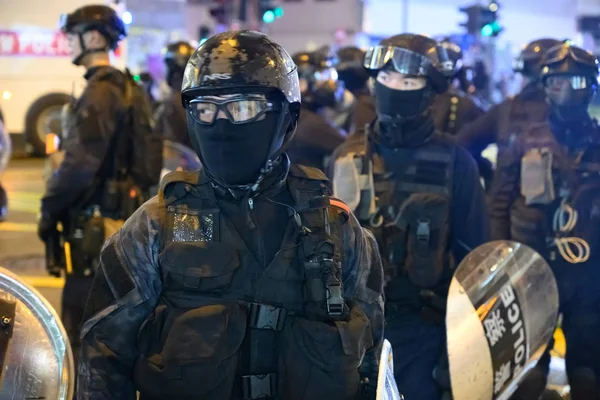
[126, 289]
[362, 275]
[481, 132]
[505, 190]
[97, 114]
[469, 216]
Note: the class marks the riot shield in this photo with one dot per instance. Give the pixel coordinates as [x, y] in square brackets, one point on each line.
[35, 353]
[177, 157]
[502, 311]
[5, 147]
[386, 384]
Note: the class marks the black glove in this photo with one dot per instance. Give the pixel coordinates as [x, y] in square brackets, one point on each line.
[46, 226]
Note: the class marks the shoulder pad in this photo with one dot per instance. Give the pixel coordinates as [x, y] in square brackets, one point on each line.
[191, 178]
[310, 173]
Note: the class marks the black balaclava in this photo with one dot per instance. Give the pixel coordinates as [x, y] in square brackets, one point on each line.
[235, 154]
[405, 117]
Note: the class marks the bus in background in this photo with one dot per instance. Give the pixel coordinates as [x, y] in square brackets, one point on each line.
[37, 77]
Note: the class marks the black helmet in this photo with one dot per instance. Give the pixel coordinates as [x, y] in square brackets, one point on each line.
[310, 62]
[320, 78]
[95, 17]
[528, 62]
[176, 57]
[177, 54]
[413, 55]
[350, 68]
[455, 55]
[241, 61]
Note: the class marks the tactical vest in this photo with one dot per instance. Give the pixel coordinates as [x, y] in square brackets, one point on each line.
[574, 180]
[228, 328]
[408, 211]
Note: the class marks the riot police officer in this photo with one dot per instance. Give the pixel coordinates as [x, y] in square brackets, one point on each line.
[355, 77]
[454, 109]
[547, 195]
[420, 195]
[316, 137]
[94, 186]
[244, 280]
[170, 115]
[506, 120]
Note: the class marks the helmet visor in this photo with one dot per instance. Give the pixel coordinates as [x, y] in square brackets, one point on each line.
[557, 82]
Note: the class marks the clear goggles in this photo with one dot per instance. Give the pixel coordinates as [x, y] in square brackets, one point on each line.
[404, 61]
[238, 109]
[576, 82]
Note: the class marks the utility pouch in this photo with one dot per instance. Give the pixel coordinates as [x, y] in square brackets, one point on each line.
[426, 216]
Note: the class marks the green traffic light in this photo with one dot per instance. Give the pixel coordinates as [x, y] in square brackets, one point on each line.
[278, 12]
[268, 17]
[137, 78]
[487, 30]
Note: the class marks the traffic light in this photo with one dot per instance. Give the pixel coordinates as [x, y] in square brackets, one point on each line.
[203, 34]
[482, 20]
[268, 11]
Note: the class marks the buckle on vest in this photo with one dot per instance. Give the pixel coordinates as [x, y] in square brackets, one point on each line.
[259, 386]
[423, 234]
[335, 301]
[263, 316]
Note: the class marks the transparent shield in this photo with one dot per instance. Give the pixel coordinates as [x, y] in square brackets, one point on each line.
[38, 362]
[386, 384]
[502, 311]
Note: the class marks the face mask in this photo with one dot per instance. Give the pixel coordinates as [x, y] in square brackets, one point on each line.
[234, 154]
[400, 104]
[403, 115]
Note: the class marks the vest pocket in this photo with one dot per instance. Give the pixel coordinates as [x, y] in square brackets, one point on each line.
[321, 359]
[199, 266]
[190, 352]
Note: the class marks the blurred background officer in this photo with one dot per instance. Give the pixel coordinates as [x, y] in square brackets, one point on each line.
[108, 158]
[170, 116]
[421, 198]
[453, 109]
[316, 137]
[287, 301]
[351, 71]
[506, 120]
[548, 192]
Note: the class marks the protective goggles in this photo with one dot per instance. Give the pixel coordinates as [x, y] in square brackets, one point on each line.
[576, 82]
[237, 109]
[560, 53]
[404, 61]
